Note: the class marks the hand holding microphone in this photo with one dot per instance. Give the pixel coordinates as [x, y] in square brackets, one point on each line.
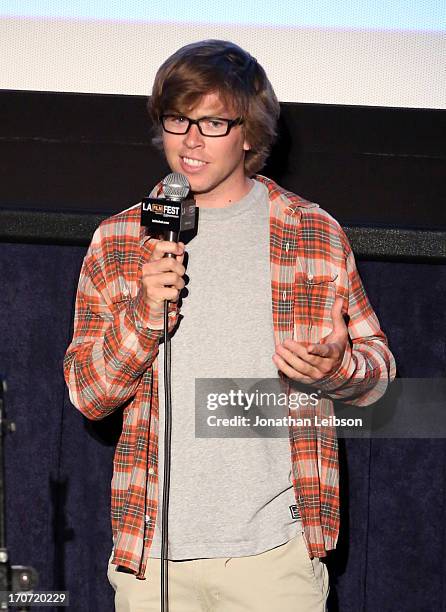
[162, 275]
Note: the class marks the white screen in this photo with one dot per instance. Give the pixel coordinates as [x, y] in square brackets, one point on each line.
[381, 52]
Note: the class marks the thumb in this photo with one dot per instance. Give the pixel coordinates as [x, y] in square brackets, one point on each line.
[339, 327]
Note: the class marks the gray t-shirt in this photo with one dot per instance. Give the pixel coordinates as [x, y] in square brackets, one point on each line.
[229, 497]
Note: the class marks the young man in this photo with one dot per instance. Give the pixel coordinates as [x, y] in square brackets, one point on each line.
[273, 288]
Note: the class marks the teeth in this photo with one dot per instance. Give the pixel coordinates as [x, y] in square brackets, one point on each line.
[193, 162]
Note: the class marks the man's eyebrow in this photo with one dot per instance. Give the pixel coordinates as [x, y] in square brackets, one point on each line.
[219, 115]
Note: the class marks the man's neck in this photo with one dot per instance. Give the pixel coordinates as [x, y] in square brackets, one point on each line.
[217, 200]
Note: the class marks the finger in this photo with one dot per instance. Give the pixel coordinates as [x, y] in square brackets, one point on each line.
[337, 315]
[314, 366]
[162, 247]
[170, 279]
[166, 264]
[297, 363]
[163, 281]
[161, 294]
[322, 350]
[172, 294]
[180, 258]
[299, 348]
[286, 369]
[302, 350]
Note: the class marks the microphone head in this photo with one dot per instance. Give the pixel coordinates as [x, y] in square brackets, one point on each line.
[175, 186]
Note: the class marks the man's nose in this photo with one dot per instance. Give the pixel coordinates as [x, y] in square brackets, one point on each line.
[193, 138]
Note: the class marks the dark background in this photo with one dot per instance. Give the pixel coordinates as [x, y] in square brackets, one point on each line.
[365, 165]
[368, 166]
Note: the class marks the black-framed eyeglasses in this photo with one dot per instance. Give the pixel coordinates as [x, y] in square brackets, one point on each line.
[215, 127]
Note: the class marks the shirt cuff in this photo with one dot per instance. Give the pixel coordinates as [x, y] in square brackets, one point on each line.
[335, 380]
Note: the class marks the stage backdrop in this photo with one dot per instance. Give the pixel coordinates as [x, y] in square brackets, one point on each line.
[391, 553]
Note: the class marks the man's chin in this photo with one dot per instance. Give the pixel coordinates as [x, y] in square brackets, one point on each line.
[199, 188]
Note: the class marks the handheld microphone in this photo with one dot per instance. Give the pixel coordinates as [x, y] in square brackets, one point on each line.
[167, 217]
[171, 214]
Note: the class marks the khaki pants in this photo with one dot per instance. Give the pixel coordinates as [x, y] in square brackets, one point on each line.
[283, 579]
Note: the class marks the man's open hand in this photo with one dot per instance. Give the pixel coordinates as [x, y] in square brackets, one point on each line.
[308, 363]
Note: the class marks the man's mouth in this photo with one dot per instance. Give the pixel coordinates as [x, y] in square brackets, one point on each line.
[193, 162]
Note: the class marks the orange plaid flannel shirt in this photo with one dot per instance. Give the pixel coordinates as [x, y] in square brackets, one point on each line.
[111, 361]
